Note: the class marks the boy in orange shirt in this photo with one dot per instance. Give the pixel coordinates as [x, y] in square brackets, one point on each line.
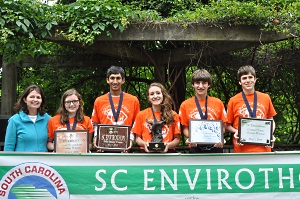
[248, 103]
[125, 106]
[211, 108]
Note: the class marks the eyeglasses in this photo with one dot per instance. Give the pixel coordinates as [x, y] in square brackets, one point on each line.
[75, 102]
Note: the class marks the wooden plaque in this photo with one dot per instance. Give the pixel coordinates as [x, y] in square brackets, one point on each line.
[113, 137]
[71, 141]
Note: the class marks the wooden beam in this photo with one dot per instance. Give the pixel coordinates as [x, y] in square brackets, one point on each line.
[109, 48]
[199, 50]
[80, 60]
[220, 39]
[193, 32]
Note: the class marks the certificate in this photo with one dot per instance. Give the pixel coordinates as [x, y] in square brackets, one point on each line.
[71, 141]
[255, 131]
[113, 137]
[206, 131]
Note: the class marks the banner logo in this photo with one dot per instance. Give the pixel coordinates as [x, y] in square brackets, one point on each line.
[33, 180]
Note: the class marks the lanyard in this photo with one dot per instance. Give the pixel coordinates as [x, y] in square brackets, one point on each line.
[154, 118]
[74, 125]
[199, 108]
[116, 114]
[251, 113]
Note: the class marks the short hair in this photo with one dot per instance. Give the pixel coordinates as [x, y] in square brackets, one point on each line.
[21, 105]
[115, 70]
[201, 75]
[245, 70]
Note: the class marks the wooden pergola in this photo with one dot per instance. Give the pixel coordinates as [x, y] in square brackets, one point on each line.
[182, 47]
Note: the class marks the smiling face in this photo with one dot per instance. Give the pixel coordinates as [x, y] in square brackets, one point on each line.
[115, 82]
[72, 105]
[33, 102]
[155, 96]
[247, 82]
[201, 88]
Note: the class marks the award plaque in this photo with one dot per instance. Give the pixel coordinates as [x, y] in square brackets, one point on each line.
[71, 141]
[113, 137]
[255, 131]
[206, 131]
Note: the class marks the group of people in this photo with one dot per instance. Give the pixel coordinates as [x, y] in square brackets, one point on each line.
[31, 129]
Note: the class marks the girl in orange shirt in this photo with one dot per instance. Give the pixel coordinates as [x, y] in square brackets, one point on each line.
[160, 110]
[70, 116]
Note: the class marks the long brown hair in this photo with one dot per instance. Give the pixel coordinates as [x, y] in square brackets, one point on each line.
[64, 118]
[166, 105]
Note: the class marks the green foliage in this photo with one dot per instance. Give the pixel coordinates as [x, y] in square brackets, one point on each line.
[81, 21]
[86, 19]
[165, 8]
[25, 26]
[89, 81]
[270, 15]
[21, 24]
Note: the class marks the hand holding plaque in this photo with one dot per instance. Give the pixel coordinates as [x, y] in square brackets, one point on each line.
[255, 131]
[205, 132]
[156, 145]
[113, 137]
[71, 141]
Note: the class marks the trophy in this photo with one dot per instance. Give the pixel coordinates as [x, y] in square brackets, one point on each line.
[156, 145]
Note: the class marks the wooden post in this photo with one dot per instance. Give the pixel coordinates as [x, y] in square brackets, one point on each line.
[159, 70]
[178, 85]
[9, 82]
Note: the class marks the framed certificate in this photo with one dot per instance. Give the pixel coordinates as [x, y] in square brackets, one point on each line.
[71, 141]
[113, 137]
[206, 131]
[255, 131]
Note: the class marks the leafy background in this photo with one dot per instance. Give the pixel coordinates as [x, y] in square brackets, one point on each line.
[26, 26]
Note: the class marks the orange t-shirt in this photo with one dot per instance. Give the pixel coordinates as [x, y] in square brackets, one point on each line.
[237, 108]
[102, 112]
[55, 124]
[142, 128]
[188, 110]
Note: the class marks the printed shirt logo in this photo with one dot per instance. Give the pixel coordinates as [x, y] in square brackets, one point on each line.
[194, 114]
[33, 180]
[109, 114]
[243, 111]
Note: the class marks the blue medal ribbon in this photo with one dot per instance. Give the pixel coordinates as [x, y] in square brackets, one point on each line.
[154, 118]
[74, 125]
[251, 113]
[204, 117]
[116, 114]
